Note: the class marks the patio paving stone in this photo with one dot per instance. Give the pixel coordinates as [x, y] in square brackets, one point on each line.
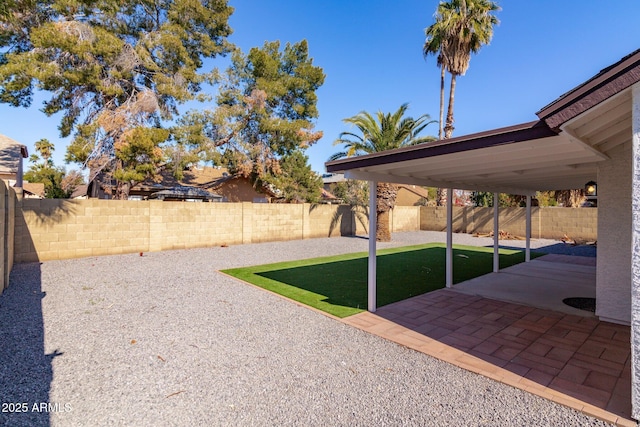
[573, 360]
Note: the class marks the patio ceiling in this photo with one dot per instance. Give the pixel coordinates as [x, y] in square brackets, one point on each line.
[558, 152]
[504, 161]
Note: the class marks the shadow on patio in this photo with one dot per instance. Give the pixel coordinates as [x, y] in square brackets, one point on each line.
[574, 360]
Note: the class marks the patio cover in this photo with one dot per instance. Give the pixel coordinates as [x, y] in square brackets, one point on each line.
[520, 159]
[559, 151]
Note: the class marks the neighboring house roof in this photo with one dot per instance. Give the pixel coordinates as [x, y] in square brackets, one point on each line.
[327, 196]
[415, 189]
[11, 154]
[183, 193]
[211, 179]
[33, 188]
[560, 151]
[80, 191]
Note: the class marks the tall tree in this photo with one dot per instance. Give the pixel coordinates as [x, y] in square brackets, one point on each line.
[461, 27]
[466, 25]
[380, 133]
[266, 111]
[434, 44]
[116, 69]
[297, 182]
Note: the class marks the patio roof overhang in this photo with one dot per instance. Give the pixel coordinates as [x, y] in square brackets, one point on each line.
[519, 159]
[560, 151]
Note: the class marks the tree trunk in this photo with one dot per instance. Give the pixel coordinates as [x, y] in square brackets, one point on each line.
[122, 190]
[441, 197]
[385, 201]
[383, 232]
[448, 128]
[441, 120]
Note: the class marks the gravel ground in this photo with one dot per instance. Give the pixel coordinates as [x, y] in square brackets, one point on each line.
[165, 340]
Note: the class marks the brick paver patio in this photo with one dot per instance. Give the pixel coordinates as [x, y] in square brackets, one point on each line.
[577, 361]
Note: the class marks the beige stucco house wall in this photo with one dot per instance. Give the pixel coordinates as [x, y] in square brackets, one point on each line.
[11, 164]
[613, 272]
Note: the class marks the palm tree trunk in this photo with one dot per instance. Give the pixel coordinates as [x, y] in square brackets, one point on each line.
[383, 232]
[385, 201]
[441, 121]
[441, 197]
[448, 128]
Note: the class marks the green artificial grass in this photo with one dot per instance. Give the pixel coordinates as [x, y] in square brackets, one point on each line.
[338, 284]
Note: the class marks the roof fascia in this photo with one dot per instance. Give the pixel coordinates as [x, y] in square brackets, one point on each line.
[604, 85]
[397, 179]
[508, 135]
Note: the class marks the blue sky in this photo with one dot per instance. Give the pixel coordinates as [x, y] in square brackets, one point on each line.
[371, 53]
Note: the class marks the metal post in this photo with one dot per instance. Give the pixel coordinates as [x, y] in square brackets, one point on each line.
[371, 273]
[527, 251]
[496, 234]
[449, 253]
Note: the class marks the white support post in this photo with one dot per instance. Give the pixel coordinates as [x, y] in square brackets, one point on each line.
[635, 254]
[371, 274]
[449, 253]
[496, 234]
[527, 251]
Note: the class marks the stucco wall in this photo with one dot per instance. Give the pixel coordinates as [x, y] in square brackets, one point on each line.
[613, 273]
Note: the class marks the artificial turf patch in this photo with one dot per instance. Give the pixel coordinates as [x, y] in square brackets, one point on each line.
[338, 284]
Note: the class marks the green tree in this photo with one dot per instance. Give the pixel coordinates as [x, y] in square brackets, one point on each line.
[380, 133]
[297, 182]
[116, 70]
[485, 199]
[266, 109]
[57, 183]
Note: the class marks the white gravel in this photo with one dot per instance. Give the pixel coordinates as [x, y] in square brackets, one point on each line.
[165, 340]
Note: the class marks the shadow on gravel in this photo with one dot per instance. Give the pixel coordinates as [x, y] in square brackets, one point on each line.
[25, 370]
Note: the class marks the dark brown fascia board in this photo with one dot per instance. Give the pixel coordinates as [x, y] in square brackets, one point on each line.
[507, 135]
[602, 86]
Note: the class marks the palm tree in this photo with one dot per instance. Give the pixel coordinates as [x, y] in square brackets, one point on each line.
[435, 39]
[461, 27]
[467, 25]
[45, 148]
[380, 133]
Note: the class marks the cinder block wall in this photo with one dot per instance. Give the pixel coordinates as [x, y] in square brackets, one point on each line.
[328, 221]
[174, 225]
[4, 212]
[405, 218]
[9, 230]
[549, 223]
[7, 227]
[273, 222]
[575, 223]
[59, 229]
